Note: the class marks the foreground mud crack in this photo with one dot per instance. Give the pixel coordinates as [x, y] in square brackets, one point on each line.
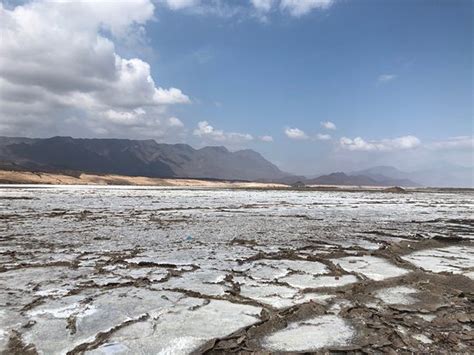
[247, 271]
[103, 336]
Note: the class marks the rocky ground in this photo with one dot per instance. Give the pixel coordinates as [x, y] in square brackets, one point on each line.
[166, 270]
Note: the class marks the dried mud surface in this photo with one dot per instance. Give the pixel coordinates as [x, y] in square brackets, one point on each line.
[159, 270]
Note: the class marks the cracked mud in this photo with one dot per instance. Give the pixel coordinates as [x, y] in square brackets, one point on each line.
[175, 271]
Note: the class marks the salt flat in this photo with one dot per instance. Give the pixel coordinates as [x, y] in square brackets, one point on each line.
[178, 270]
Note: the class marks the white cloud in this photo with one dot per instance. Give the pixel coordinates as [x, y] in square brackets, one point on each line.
[227, 8]
[302, 7]
[452, 143]
[323, 137]
[385, 78]
[328, 125]
[355, 144]
[170, 96]
[295, 133]
[59, 62]
[206, 131]
[263, 5]
[400, 143]
[124, 118]
[175, 122]
[181, 4]
[266, 138]
[219, 8]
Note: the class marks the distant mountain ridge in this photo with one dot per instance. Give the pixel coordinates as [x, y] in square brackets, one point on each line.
[135, 158]
[341, 178]
[151, 159]
[388, 175]
[439, 175]
[382, 170]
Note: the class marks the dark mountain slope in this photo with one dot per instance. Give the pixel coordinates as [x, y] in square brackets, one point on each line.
[135, 158]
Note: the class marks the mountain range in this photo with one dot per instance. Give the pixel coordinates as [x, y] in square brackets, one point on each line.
[135, 158]
[341, 178]
[152, 159]
[439, 175]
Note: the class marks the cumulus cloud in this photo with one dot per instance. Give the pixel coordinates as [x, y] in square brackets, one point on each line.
[175, 122]
[59, 67]
[323, 137]
[266, 138]
[359, 144]
[295, 133]
[328, 125]
[169, 96]
[208, 132]
[385, 78]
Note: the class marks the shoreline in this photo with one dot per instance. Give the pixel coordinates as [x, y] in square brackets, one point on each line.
[10, 177]
[19, 179]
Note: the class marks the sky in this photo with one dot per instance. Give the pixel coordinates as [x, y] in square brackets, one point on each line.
[314, 85]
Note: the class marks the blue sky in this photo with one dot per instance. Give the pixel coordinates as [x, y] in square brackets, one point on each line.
[395, 74]
[325, 66]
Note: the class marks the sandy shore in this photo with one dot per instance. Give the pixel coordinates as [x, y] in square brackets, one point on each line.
[25, 177]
